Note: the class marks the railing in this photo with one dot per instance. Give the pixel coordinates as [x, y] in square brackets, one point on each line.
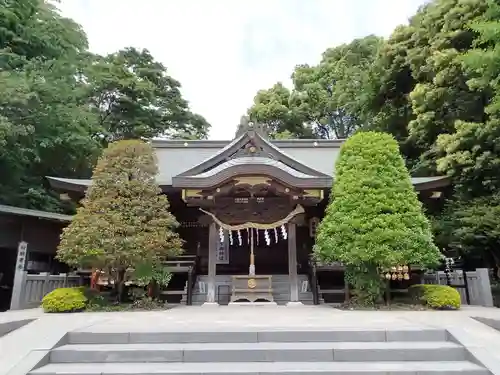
[313, 280]
[192, 272]
[36, 286]
[182, 264]
[477, 283]
[474, 290]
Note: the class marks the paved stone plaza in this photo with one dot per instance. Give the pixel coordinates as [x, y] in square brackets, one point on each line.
[23, 348]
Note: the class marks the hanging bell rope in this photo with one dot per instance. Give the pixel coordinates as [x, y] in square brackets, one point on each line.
[298, 210]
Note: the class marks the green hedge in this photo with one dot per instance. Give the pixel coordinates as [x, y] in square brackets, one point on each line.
[439, 297]
[65, 300]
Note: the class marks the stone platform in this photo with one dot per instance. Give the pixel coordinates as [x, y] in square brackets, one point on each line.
[254, 340]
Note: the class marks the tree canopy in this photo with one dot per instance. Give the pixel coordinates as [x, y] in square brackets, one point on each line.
[124, 221]
[374, 220]
[325, 101]
[433, 85]
[60, 104]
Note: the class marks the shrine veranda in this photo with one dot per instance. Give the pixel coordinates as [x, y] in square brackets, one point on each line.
[249, 207]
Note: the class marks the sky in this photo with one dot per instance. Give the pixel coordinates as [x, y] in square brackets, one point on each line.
[224, 51]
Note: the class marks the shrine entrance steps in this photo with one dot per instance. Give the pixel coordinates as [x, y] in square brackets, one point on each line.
[245, 352]
[281, 290]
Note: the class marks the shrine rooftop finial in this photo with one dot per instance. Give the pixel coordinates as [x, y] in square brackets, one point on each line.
[247, 125]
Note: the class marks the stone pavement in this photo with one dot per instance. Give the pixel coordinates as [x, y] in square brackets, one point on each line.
[26, 346]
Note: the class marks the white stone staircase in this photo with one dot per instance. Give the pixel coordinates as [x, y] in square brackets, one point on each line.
[246, 352]
[281, 289]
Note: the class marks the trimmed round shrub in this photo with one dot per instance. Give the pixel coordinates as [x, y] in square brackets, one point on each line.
[374, 219]
[64, 300]
[439, 297]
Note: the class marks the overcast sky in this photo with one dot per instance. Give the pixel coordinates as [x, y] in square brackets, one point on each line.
[223, 51]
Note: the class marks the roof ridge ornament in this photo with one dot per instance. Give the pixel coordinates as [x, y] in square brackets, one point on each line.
[248, 126]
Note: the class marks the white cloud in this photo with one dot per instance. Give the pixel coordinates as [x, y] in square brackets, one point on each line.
[223, 51]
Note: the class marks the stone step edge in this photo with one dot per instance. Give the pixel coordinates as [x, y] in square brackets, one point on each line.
[237, 336]
[377, 368]
[309, 345]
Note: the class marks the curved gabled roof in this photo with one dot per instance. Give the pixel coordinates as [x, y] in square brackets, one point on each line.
[257, 140]
[248, 165]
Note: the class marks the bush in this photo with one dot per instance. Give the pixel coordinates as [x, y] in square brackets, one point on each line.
[374, 219]
[439, 297]
[64, 300]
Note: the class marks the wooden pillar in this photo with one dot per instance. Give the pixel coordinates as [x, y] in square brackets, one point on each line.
[292, 262]
[212, 244]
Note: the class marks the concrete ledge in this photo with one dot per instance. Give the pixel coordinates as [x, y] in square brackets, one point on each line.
[493, 323]
[253, 304]
[477, 352]
[33, 361]
[8, 327]
[210, 304]
[295, 304]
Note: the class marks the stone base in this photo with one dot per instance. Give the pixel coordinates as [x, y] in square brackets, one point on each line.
[210, 304]
[253, 304]
[295, 304]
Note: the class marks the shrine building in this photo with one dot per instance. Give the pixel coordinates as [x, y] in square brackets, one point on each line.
[248, 210]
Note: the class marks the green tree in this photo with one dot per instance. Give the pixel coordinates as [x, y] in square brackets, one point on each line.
[374, 219]
[273, 108]
[134, 98]
[326, 100]
[124, 219]
[34, 29]
[418, 86]
[470, 152]
[330, 95]
[60, 104]
[46, 126]
[471, 229]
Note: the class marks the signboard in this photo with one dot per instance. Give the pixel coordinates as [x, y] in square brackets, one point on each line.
[22, 251]
[222, 250]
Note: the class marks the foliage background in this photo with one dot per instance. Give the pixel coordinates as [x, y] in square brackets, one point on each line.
[434, 85]
[60, 105]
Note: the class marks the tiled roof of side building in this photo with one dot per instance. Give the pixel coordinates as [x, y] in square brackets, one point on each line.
[18, 211]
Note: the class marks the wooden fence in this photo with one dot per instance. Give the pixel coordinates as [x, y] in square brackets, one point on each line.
[35, 286]
[478, 281]
[29, 289]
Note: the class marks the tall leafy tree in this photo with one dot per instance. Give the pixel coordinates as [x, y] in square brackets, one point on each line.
[419, 88]
[34, 29]
[134, 97]
[330, 95]
[470, 153]
[274, 109]
[60, 104]
[374, 220]
[326, 100]
[124, 220]
[45, 124]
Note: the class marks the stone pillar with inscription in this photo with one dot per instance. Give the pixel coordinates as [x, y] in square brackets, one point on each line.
[292, 265]
[212, 264]
[17, 300]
